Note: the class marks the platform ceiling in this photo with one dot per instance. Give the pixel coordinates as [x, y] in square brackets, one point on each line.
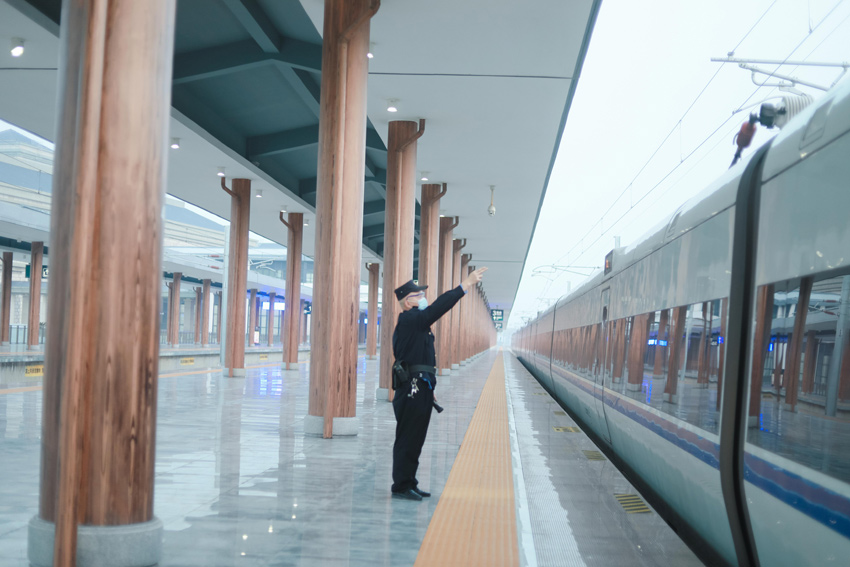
[493, 79]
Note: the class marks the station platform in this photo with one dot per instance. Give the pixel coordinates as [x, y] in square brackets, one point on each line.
[513, 480]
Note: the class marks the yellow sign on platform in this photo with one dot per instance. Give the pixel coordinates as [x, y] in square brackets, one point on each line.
[264, 357]
[187, 361]
[35, 370]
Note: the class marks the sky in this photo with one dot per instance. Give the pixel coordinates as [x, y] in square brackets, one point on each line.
[652, 122]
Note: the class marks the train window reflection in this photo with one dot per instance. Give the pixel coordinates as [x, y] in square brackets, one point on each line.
[671, 360]
[800, 374]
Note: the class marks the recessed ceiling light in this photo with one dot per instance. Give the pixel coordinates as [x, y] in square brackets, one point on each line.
[17, 47]
[306, 222]
[424, 176]
[391, 105]
[220, 172]
[370, 55]
[175, 143]
[259, 193]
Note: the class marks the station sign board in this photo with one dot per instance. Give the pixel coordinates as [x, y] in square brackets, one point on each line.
[44, 271]
[497, 314]
[498, 325]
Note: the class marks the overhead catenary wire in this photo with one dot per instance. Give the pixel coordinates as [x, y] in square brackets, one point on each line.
[677, 166]
[676, 126]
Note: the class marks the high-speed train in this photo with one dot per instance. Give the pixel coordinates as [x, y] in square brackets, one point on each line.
[711, 360]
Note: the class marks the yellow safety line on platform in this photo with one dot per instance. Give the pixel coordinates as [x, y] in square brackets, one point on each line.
[475, 520]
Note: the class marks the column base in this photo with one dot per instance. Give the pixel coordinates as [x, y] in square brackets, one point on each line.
[314, 425]
[455, 366]
[791, 407]
[132, 545]
[371, 357]
[445, 371]
[702, 385]
[234, 372]
[753, 421]
[671, 398]
[289, 366]
[633, 387]
[382, 394]
[4, 343]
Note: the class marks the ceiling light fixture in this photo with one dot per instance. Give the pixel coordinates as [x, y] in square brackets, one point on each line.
[175, 143]
[220, 172]
[17, 47]
[424, 176]
[306, 222]
[391, 105]
[283, 209]
[259, 193]
[492, 208]
[370, 55]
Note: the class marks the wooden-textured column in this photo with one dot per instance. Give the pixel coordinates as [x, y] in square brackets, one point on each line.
[761, 339]
[457, 245]
[198, 307]
[795, 345]
[237, 276]
[271, 318]
[429, 238]
[444, 327]
[102, 356]
[174, 310]
[6, 300]
[676, 346]
[37, 257]
[252, 315]
[464, 323]
[372, 312]
[290, 333]
[339, 216]
[205, 313]
[399, 218]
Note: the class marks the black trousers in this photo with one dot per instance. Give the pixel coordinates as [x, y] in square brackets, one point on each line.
[412, 415]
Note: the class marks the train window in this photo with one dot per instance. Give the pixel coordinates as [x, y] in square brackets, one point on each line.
[796, 462]
[800, 373]
[671, 360]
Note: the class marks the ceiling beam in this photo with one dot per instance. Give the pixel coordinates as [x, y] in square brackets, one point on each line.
[304, 86]
[374, 208]
[257, 23]
[226, 59]
[282, 142]
[295, 139]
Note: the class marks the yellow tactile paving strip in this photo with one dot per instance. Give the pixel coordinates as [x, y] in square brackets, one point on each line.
[474, 523]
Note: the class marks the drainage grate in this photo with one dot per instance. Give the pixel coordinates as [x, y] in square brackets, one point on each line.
[568, 429]
[560, 413]
[594, 455]
[632, 504]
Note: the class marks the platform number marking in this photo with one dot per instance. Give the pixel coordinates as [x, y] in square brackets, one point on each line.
[594, 455]
[568, 429]
[632, 504]
[560, 413]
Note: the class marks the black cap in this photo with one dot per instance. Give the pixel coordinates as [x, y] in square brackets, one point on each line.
[407, 289]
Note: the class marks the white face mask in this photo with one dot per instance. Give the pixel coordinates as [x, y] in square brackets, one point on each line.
[423, 303]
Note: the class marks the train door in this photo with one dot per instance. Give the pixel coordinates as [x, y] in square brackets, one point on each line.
[599, 367]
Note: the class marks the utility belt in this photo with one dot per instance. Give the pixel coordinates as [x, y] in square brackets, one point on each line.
[402, 372]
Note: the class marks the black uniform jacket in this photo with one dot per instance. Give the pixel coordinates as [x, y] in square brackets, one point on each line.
[413, 341]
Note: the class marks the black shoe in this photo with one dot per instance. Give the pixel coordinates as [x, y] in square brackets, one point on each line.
[409, 494]
[421, 493]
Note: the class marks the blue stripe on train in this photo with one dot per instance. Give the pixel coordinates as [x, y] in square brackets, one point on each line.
[819, 503]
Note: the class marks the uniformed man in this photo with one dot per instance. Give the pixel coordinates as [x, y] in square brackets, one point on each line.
[413, 343]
